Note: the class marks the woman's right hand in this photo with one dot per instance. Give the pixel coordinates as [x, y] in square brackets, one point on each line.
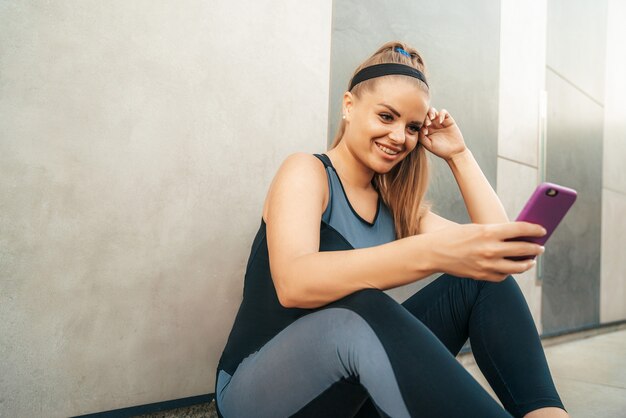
[477, 250]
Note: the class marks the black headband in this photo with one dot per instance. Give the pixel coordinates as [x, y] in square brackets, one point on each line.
[380, 70]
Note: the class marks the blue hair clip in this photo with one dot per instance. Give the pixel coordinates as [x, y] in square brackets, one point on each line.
[403, 52]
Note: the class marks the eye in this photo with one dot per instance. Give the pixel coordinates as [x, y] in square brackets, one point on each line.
[384, 116]
[414, 128]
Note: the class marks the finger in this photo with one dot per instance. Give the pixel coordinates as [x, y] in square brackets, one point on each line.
[505, 266]
[523, 248]
[427, 143]
[428, 113]
[535, 230]
[432, 113]
[519, 229]
[443, 113]
[449, 120]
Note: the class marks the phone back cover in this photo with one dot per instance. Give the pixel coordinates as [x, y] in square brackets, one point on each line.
[547, 211]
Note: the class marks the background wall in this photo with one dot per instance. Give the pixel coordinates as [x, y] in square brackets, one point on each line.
[137, 142]
[575, 89]
[520, 122]
[613, 262]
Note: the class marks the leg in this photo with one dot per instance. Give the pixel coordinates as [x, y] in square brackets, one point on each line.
[304, 371]
[502, 333]
[364, 339]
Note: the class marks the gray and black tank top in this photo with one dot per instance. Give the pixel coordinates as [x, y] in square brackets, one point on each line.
[341, 216]
[261, 316]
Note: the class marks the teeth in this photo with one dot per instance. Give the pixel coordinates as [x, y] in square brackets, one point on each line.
[387, 150]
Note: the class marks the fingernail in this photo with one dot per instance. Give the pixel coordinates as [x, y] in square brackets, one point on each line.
[543, 249]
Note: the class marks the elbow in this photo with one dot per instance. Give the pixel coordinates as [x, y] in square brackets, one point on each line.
[288, 298]
[283, 293]
[284, 300]
[291, 300]
[290, 287]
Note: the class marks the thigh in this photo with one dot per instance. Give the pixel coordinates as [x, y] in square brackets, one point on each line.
[445, 306]
[299, 372]
[405, 368]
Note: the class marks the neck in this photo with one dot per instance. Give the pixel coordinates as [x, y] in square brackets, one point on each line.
[351, 170]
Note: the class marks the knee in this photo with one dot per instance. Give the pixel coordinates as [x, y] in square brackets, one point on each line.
[507, 281]
[510, 284]
[373, 305]
[370, 295]
[344, 326]
[371, 301]
[507, 286]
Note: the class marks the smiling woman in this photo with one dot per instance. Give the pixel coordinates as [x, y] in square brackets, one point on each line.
[397, 103]
[315, 334]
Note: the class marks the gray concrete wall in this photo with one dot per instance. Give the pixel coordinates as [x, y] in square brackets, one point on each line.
[576, 140]
[137, 142]
[613, 262]
[522, 80]
[561, 119]
[575, 67]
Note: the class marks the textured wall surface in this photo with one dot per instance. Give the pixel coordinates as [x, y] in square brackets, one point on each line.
[137, 142]
[522, 79]
[574, 86]
[571, 276]
[613, 282]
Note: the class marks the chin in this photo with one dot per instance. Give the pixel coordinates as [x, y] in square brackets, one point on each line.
[382, 168]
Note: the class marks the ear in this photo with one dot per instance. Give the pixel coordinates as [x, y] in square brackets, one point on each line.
[347, 105]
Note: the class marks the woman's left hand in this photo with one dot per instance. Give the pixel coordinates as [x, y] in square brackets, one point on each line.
[441, 135]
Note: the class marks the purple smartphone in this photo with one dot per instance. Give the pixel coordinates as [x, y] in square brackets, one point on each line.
[547, 206]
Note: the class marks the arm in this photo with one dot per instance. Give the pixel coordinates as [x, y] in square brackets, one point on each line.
[305, 277]
[442, 137]
[482, 202]
[432, 222]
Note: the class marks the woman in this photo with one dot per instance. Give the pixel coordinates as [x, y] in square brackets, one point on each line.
[316, 335]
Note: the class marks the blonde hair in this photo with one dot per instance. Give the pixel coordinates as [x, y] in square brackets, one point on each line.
[404, 186]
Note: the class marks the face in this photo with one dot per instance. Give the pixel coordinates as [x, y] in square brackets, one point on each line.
[382, 126]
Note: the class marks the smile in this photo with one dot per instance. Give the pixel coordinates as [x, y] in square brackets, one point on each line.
[386, 150]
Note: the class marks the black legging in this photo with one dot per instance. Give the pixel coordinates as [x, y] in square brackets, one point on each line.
[366, 355]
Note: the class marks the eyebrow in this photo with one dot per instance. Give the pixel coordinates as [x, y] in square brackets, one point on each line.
[395, 112]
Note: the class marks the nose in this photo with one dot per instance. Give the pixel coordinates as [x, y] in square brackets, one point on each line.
[398, 134]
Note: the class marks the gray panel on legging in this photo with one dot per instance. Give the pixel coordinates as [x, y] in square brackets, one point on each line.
[348, 346]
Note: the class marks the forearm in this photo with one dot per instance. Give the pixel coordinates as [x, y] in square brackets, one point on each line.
[482, 202]
[320, 278]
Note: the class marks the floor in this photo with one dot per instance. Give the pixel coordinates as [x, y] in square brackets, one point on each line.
[589, 370]
[589, 373]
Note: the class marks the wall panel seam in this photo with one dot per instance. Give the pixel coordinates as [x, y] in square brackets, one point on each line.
[571, 83]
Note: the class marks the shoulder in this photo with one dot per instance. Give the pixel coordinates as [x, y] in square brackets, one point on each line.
[303, 160]
[300, 178]
[303, 168]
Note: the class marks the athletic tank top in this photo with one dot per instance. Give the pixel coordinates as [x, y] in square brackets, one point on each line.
[261, 316]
